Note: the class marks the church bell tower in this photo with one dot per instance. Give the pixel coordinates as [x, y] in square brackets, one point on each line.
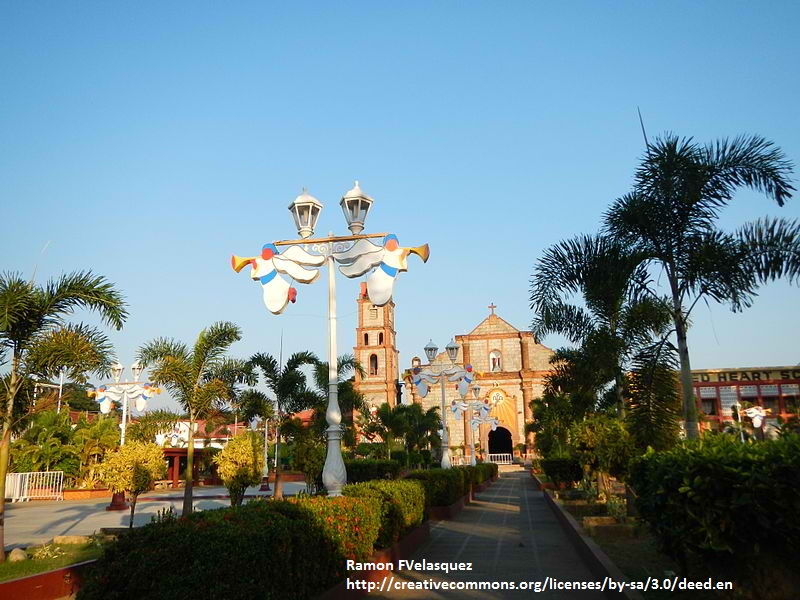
[375, 349]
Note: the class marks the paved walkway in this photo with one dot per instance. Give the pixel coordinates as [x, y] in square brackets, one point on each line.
[509, 535]
[29, 523]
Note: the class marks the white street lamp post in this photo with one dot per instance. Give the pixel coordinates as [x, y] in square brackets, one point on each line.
[464, 375]
[301, 260]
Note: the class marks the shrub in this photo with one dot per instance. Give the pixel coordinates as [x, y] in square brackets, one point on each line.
[371, 450]
[426, 456]
[367, 470]
[133, 468]
[443, 487]
[566, 470]
[401, 456]
[472, 475]
[402, 506]
[351, 523]
[486, 471]
[240, 464]
[272, 550]
[734, 507]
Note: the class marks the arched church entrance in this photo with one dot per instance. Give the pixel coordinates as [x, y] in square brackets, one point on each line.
[500, 441]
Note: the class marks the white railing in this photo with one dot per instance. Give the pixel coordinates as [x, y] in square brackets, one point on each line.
[48, 485]
[459, 461]
[500, 459]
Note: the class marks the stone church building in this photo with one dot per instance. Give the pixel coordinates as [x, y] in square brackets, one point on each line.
[510, 365]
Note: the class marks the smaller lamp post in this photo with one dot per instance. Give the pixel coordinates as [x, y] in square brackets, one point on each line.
[464, 375]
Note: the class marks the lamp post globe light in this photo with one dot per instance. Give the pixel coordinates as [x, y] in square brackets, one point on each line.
[464, 375]
[301, 260]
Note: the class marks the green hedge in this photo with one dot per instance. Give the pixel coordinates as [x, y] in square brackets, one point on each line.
[565, 470]
[487, 470]
[275, 549]
[402, 506]
[369, 469]
[732, 506]
[443, 487]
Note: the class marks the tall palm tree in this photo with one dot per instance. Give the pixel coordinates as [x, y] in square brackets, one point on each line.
[670, 217]
[289, 386]
[617, 316]
[37, 341]
[202, 379]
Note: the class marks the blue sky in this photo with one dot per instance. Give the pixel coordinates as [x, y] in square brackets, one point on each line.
[149, 142]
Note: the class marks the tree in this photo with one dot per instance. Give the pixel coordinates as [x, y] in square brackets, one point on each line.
[133, 469]
[152, 424]
[387, 422]
[617, 317]
[421, 426]
[202, 379]
[290, 387]
[93, 441]
[240, 463]
[670, 218]
[37, 341]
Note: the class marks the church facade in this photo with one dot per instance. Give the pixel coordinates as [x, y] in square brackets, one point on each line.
[510, 366]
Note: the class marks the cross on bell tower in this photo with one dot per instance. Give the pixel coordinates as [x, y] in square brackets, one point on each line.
[492, 307]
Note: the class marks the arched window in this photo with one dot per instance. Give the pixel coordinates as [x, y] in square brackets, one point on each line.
[380, 339]
[366, 339]
[373, 364]
[495, 361]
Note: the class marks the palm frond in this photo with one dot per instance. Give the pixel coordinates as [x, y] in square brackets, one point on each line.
[83, 289]
[79, 348]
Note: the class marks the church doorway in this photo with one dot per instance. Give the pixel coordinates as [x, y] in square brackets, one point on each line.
[500, 441]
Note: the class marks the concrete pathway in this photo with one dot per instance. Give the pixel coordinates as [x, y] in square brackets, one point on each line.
[509, 535]
[37, 522]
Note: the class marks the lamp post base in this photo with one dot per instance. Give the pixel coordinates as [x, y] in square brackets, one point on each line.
[118, 502]
[334, 475]
[264, 484]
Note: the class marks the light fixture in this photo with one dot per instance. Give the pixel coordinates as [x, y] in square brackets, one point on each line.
[305, 211]
[452, 350]
[117, 370]
[137, 369]
[431, 350]
[355, 206]
[476, 391]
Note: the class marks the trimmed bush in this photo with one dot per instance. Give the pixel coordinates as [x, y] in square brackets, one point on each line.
[402, 506]
[566, 470]
[262, 550]
[472, 475]
[368, 470]
[443, 487]
[486, 471]
[734, 507]
[401, 456]
[351, 523]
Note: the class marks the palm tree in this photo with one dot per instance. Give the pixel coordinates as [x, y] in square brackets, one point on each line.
[289, 386]
[670, 217]
[387, 422]
[36, 339]
[421, 426]
[93, 441]
[617, 318]
[202, 379]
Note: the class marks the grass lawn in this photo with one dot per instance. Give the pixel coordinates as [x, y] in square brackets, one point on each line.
[53, 557]
[638, 558]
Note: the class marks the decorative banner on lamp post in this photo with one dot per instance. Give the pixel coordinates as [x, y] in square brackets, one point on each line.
[355, 255]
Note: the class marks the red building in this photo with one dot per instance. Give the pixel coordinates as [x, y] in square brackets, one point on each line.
[776, 389]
